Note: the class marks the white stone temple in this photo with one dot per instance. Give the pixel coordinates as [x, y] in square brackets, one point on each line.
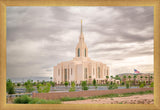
[81, 68]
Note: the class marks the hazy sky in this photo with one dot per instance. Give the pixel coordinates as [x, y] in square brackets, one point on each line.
[40, 37]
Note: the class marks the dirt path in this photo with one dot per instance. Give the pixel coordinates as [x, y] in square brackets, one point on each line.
[136, 99]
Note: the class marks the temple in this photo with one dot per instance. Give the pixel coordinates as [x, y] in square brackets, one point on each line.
[81, 68]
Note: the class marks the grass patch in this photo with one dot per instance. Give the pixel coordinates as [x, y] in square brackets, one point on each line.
[121, 95]
[72, 98]
[106, 96]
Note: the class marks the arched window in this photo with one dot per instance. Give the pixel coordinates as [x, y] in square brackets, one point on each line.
[85, 52]
[78, 52]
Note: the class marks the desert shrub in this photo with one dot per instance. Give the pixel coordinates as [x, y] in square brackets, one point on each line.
[72, 87]
[28, 100]
[113, 86]
[152, 84]
[29, 86]
[66, 83]
[22, 100]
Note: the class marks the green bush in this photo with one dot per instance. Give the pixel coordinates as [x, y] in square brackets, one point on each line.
[152, 84]
[66, 83]
[18, 84]
[29, 86]
[113, 86]
[85, 88]
[22, 100]
[43, 88]
[72, 87]
[122, 83]
[141, 85]
[52, 83]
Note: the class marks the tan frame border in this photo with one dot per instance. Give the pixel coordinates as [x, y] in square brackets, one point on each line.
[154, 3]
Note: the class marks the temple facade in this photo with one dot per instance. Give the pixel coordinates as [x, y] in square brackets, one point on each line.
[81, 68]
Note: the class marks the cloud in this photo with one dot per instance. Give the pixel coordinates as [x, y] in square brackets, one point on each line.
[40, 37]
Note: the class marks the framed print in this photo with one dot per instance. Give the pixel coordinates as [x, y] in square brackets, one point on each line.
[57, 54]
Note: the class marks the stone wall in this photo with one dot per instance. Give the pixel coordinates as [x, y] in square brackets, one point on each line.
[53, 96]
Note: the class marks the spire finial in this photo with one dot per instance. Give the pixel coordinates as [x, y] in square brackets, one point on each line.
[81, 25]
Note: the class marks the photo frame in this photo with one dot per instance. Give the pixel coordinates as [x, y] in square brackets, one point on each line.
[154, 3]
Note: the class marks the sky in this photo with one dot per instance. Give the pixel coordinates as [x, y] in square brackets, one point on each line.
[40, 37]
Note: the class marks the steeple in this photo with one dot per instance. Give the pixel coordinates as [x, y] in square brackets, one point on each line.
[81, 37]
[81, 49]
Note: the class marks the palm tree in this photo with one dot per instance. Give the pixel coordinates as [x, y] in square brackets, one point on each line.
[107, 79]
[124, 78]
[146, 78]
[151, 78]
[111, 78]
[51, 78]
[135, 76]
[141, 77]
[129, 77]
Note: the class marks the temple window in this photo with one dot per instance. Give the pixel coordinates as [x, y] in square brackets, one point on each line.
[58, 72]
[78, 52]
[93, 71]
[85, 73]
[71, 71]
[65, 74]
[98, 72]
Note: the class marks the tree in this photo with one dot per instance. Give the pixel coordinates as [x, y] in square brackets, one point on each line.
[84, 85]
[43, 88]
[135, 76]
[10, 87]
[72, 87]
[29, 86]
[94, 83]
[66, 83]
[18, 84]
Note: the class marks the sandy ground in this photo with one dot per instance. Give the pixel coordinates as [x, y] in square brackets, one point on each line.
[136, 99]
